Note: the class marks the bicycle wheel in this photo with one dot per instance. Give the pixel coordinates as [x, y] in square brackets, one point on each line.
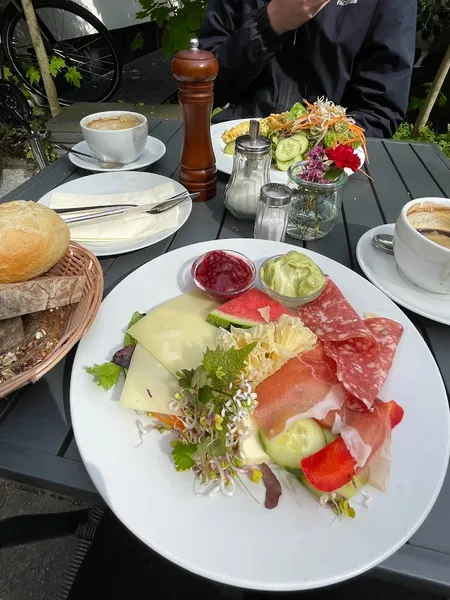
[75, 40]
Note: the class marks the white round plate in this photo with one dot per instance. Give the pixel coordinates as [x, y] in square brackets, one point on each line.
[224, 162]
[236, 540]
[119, 183]
[153, 151]
[381, 269]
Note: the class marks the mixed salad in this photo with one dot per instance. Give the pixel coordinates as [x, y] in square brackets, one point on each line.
[252, 389]
[301, 129]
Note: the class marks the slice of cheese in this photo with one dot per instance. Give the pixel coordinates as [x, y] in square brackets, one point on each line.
[148, 384]
[176, 333]
[251, 450]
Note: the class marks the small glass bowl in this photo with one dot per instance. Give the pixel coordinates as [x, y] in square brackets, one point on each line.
[288, 301]
[224, 296]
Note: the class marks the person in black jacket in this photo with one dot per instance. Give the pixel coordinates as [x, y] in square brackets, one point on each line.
[358, 53]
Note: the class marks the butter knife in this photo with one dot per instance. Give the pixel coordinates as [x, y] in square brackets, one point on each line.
[118, 213]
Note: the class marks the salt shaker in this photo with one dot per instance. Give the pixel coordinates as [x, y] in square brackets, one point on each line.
[195, 70]
[273, 212]
[251, 170]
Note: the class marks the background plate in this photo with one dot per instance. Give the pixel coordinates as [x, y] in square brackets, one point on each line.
[235, 540]
[224, 162]
[118, 183]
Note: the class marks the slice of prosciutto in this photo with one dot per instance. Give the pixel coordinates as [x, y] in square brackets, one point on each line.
[363, 373]
[364, 442]
[333, 319]
[305, 387]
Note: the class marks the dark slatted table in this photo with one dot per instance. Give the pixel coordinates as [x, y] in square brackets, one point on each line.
[36, 438]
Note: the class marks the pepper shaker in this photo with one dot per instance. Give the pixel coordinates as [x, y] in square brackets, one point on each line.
[251, 169]
[195, 70]
[273, 212]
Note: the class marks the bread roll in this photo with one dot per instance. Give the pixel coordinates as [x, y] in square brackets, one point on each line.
[32, 239]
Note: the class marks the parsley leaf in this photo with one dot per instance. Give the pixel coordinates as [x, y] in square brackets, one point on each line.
[182, 456]
[214, 447]
[185, 378]
[105, 375]
[223, 366]
[129, 339]
[205, 394]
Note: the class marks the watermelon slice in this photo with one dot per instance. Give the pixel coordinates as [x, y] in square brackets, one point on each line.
[244, 311]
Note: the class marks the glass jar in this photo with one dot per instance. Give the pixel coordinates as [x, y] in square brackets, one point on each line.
[251, 170]
[273, 212]
[315, 207]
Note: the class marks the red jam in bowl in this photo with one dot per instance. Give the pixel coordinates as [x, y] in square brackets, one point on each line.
[223, 274]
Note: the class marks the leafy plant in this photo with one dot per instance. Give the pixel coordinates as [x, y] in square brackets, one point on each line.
[180, 21]
[138, 42]
[416, 103]
[432, 15]
[427, 135]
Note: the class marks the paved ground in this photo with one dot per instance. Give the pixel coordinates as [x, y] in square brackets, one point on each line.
[12, 178]
[35, 571]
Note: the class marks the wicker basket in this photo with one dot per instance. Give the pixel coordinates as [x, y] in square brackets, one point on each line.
[77, 318]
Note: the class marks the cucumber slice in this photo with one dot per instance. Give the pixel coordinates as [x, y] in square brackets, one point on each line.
[347, 491]
[287, 149]
[330, 437]
[287, 449]
[283, 165]
[304, 142]
[229, 148]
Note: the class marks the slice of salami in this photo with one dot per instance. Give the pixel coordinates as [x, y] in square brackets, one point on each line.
[363, 373]
[333, 319]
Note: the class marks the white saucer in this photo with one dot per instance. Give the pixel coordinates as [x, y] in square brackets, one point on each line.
[153, 151]
[381, 269]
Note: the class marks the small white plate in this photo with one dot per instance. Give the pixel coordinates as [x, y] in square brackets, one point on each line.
[224, 162]
[153, 151]
[119, 183]
[381, 269]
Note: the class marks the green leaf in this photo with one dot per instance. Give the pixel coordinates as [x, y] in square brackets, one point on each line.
[205, 394]
[7, 74]
[56, 64]
[442, 100]
[138, 42]
[139, 104]
[105, 375]
[215, 447]
[296, 111]
[182, 456]
[121, 101]
[33, 75]
[224, 366]
[74, 77]
[129, 339]
[416, 103]
[333, 173]
[185, 378]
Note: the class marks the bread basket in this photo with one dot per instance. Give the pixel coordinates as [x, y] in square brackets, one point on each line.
[76, 318]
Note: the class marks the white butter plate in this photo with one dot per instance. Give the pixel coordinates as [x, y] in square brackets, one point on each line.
[381, 269]
[224, 162]
[153, 151]
[236, 540]
[119, 183]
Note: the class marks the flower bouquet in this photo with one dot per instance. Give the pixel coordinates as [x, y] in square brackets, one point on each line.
[317, 186]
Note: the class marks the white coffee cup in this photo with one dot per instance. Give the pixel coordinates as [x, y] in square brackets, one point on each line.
[424, 262]
[121, 145]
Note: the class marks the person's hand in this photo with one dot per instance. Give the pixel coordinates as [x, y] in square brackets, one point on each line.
[287, 15]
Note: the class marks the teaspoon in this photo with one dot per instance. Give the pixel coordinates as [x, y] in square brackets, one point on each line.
[384, 242]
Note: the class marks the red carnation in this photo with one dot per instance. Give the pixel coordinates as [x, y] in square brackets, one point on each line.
[344, 157]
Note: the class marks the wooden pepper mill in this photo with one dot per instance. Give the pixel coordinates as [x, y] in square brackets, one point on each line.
[195, 71]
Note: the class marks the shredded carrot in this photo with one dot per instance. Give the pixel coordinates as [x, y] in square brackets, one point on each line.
[171, 420]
